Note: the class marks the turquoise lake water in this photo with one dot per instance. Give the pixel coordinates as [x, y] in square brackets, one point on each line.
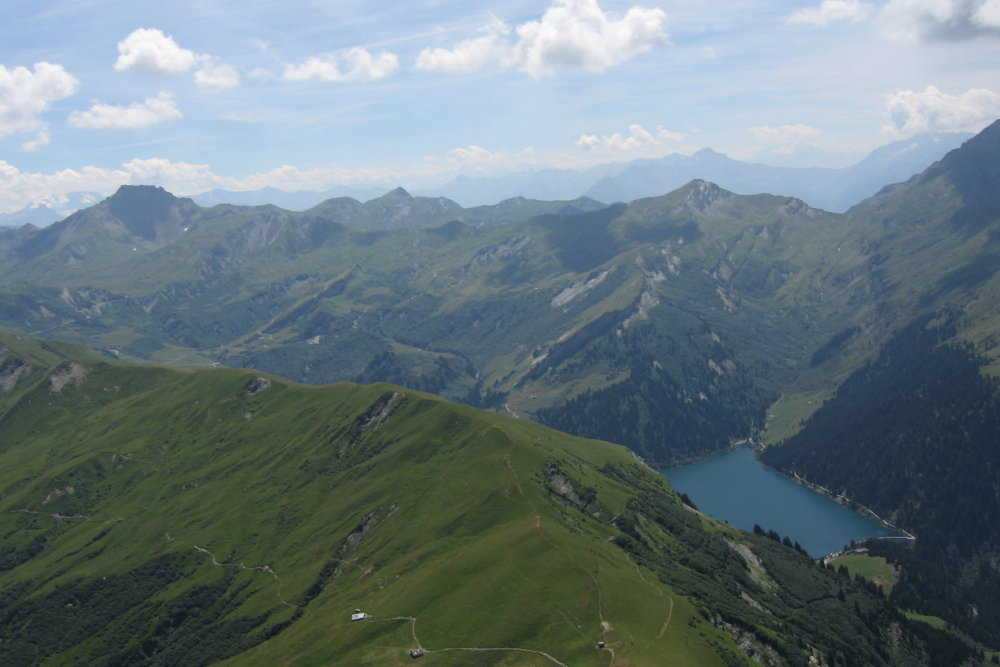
[739, 489]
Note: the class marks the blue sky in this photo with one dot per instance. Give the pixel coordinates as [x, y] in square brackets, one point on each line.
[197, 94]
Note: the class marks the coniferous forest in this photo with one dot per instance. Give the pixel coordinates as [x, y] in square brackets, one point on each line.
[915, 436]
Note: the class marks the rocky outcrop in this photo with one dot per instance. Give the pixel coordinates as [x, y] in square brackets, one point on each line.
[72, 373]
[256, 386]
[11, 370]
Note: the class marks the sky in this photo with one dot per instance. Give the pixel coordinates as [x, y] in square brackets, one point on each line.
[310, 94]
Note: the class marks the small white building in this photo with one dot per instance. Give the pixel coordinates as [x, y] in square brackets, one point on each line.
[358, 615]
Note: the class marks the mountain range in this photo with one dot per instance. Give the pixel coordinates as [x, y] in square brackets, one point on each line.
[45, 213]
[831, 189]
[677, 325]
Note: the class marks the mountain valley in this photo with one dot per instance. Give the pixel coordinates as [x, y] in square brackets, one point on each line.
[678, 325]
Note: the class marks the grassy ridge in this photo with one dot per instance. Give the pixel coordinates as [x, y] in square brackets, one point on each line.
[465, 535]
[152, 516]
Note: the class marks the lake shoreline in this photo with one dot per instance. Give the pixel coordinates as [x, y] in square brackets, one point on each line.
[843, 500]
[734, 486]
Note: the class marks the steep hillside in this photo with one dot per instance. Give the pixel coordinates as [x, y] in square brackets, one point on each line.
[159, 516]
[675, 317]
[669, 324]
[912, 434]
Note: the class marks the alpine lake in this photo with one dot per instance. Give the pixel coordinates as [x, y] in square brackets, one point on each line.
[737, 488]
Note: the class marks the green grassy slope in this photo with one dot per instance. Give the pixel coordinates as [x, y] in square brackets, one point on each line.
[155, 516]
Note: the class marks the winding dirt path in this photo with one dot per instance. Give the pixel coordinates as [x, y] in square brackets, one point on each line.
[412, 620]
[517, 482]
[263, 569]
[494, 650]
[666, 623]
[57, 516]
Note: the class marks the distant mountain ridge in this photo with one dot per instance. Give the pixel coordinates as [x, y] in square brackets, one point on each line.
[44, 214]
[830, 189]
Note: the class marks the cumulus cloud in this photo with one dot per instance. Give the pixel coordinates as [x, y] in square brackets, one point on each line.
[832, 11]
[215, 76]
[26, 94]
[570, 35]
[355, 64]
[150, 50]
[987, 14]
[911, 112]
[637, 137]
[471, 54]
[473, 158]
[152, 111]
[19, 189]
[783, 139]
[941, 19]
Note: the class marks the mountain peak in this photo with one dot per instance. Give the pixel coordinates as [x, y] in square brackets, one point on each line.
[398, 193]
[145, 193]
[708, 153]
[141, 208]
[701, 194]
[974, 171]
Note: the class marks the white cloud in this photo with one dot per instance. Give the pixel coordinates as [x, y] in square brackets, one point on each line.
[637, 137]
[783, 139]
[26, 94]
[476, 159]
[911, 112]
[471, 54]
[913, 20]
[570, 35]
[831, 11]
[180, 177]
[215, 76]
[152, 111]
[355, 64]
[150, 50]
[988, 14]
[43, 138]
[19, 189]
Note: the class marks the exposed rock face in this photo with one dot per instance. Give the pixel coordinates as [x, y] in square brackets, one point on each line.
[702, 194]
[579, 289]
[11, 370]
[74, 373]
[380, 411]
[501, 251]
[754, 564]
[257, 385]
[754, 649]
[563, 487]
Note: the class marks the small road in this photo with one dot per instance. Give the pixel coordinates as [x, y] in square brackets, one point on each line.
[493, 650]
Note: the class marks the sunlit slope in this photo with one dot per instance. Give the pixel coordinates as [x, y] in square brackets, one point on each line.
[155, 516]
[452, 517]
